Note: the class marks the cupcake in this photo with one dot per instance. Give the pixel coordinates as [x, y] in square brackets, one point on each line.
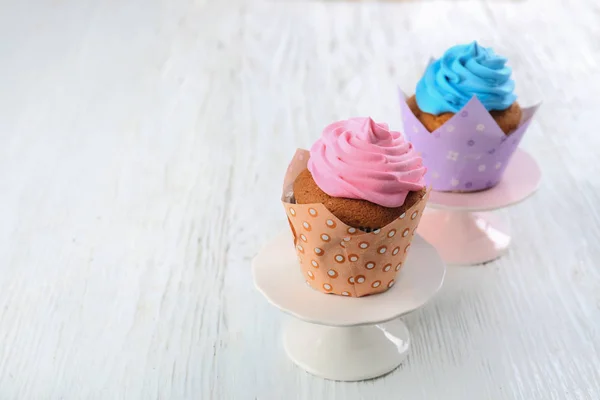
[353, 203]
[464, 119]
[463, 72]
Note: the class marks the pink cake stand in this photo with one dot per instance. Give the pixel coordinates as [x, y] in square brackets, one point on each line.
[460, 226]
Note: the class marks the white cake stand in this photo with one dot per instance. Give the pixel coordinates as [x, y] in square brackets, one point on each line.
[342, 338]
[460, 229]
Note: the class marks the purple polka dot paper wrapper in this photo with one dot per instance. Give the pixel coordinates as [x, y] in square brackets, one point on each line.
[469, 152]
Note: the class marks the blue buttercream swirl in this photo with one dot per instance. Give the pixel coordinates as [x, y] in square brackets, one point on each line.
[465, 71]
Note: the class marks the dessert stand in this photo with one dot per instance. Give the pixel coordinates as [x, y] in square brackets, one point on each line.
[345, 338]
[460, 226]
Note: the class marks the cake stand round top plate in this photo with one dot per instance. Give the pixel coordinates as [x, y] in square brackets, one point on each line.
[521, 179]
[278, 277]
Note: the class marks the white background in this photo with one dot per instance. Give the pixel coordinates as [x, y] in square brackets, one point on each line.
[142, 149]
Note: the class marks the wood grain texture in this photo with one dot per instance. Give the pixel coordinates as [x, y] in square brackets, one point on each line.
[142, 148]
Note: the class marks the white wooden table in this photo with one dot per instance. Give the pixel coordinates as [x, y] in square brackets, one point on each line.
[142, 148]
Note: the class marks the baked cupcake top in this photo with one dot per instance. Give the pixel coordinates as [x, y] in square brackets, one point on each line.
[462, 72]
[361, 159]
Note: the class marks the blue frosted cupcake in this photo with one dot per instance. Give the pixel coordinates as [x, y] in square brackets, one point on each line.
[465, 71]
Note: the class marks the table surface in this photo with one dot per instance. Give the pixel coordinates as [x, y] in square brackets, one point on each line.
[142, 149]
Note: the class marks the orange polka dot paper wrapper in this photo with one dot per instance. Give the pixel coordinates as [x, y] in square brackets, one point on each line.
[338, 259]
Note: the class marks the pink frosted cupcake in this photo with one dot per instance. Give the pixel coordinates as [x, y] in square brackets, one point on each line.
[353, 204]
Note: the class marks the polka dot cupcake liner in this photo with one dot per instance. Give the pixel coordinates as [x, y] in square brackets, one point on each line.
[339, 259]
[292, 200]
[469, 152]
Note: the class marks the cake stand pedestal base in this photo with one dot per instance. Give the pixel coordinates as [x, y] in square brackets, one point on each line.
[466, 238]
[347, 353]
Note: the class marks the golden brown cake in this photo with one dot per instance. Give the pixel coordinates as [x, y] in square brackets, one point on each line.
[354, 212]
[508, 119]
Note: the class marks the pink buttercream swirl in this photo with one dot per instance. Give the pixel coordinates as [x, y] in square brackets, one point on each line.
[361, 159]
